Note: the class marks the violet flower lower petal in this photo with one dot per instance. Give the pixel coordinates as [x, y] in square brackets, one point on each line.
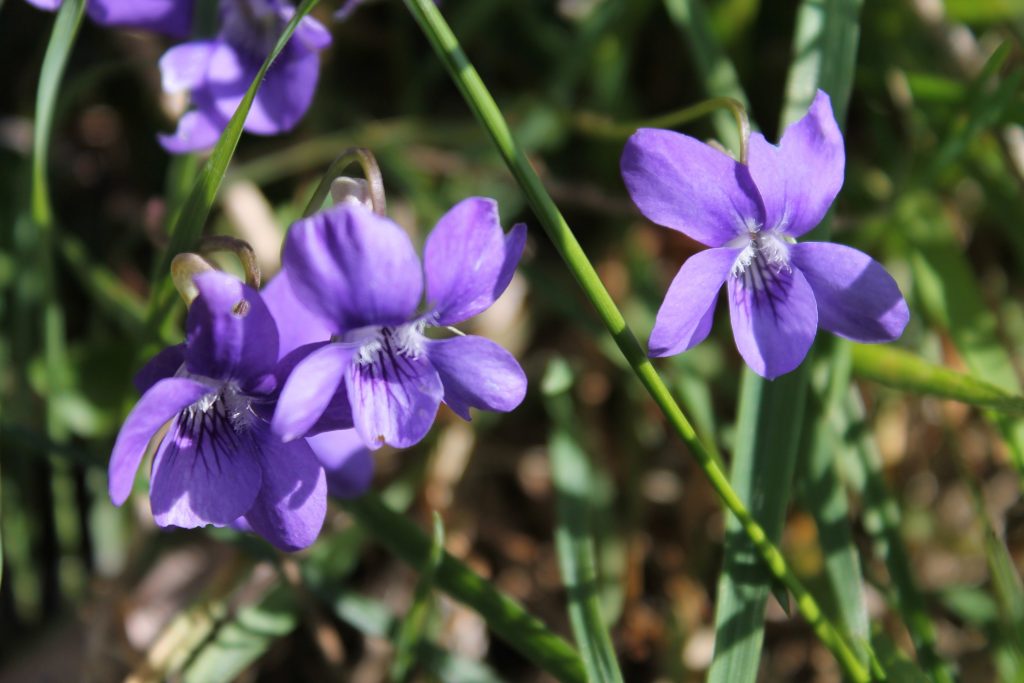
[205, 472]
[158, 405]
[394, 399]
[857, 298]
[477, 373]
[681, 183]
[353, 267]
[800, 178]
[309, 389]
[231, 335]
[688, 310]
[292, 502]
[346, 460]
[774, 318]
[465, 260]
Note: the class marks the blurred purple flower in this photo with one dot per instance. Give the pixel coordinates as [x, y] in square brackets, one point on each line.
[219, 462]
[217, 72]
[359, 273]
[780, 291]
[171, 17]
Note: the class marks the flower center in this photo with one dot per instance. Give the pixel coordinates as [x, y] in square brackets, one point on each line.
[226, 403]
[251, 26]
[404, 340]
[764, 256]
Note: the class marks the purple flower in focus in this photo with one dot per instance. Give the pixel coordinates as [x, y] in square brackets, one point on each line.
[217, 73]
[780, 291]
[171, 17]
[220, 463]
[359, 273]
[345, 459]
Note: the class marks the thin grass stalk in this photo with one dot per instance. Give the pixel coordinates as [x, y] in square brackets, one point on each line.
[478, 98]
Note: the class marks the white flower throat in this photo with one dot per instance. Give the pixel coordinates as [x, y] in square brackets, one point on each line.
[764, 256]
[404, 340]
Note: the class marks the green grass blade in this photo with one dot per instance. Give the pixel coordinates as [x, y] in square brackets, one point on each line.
[882, 521]
[574, 485]
[771, 412]
[373, 618]
[767, 437]
[822, 494]
[715, 68]
[245, 637]
[414, 625]
[506, 617]
[486, 110]
[899, 369]
[949, 293]
[194, 212]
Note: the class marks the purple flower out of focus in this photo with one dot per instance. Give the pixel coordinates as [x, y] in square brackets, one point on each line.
[374, 368]
[171, 17]
[217, 72]
[780, 291]
[220, 464]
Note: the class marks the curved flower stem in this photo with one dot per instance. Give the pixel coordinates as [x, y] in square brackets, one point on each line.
[241, 249]
[489, 115]
[601, 126]
[371, 171]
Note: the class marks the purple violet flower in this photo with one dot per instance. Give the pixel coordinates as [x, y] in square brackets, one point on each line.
[217, 72]
[359, 273]
[780, 291]
[170, 17]
[219, 462]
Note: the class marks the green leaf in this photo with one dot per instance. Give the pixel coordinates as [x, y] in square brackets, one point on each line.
[245, 637]
[414, 625]
[373, 618]
[192, 217]
[574, 483]
[899, 369]
[506, 617]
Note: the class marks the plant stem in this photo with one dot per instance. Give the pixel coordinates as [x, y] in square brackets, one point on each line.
[489, 115]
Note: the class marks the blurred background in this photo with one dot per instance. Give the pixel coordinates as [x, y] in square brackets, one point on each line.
[933, 189]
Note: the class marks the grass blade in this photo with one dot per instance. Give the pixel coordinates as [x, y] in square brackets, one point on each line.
[899, 369]
[411, 632]
[506, 617]
[882, 521]
[486, 110]
[771, 412]
[573, 481]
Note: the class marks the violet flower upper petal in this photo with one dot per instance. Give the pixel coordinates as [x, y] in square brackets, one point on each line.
[164, 364]
[468, 260]
[353, 267]
[297, 325]
[170, 17]
[800, 178]
[685, 317]
[681, 183]
[477, 373]
[231, 335]
[856, 296]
